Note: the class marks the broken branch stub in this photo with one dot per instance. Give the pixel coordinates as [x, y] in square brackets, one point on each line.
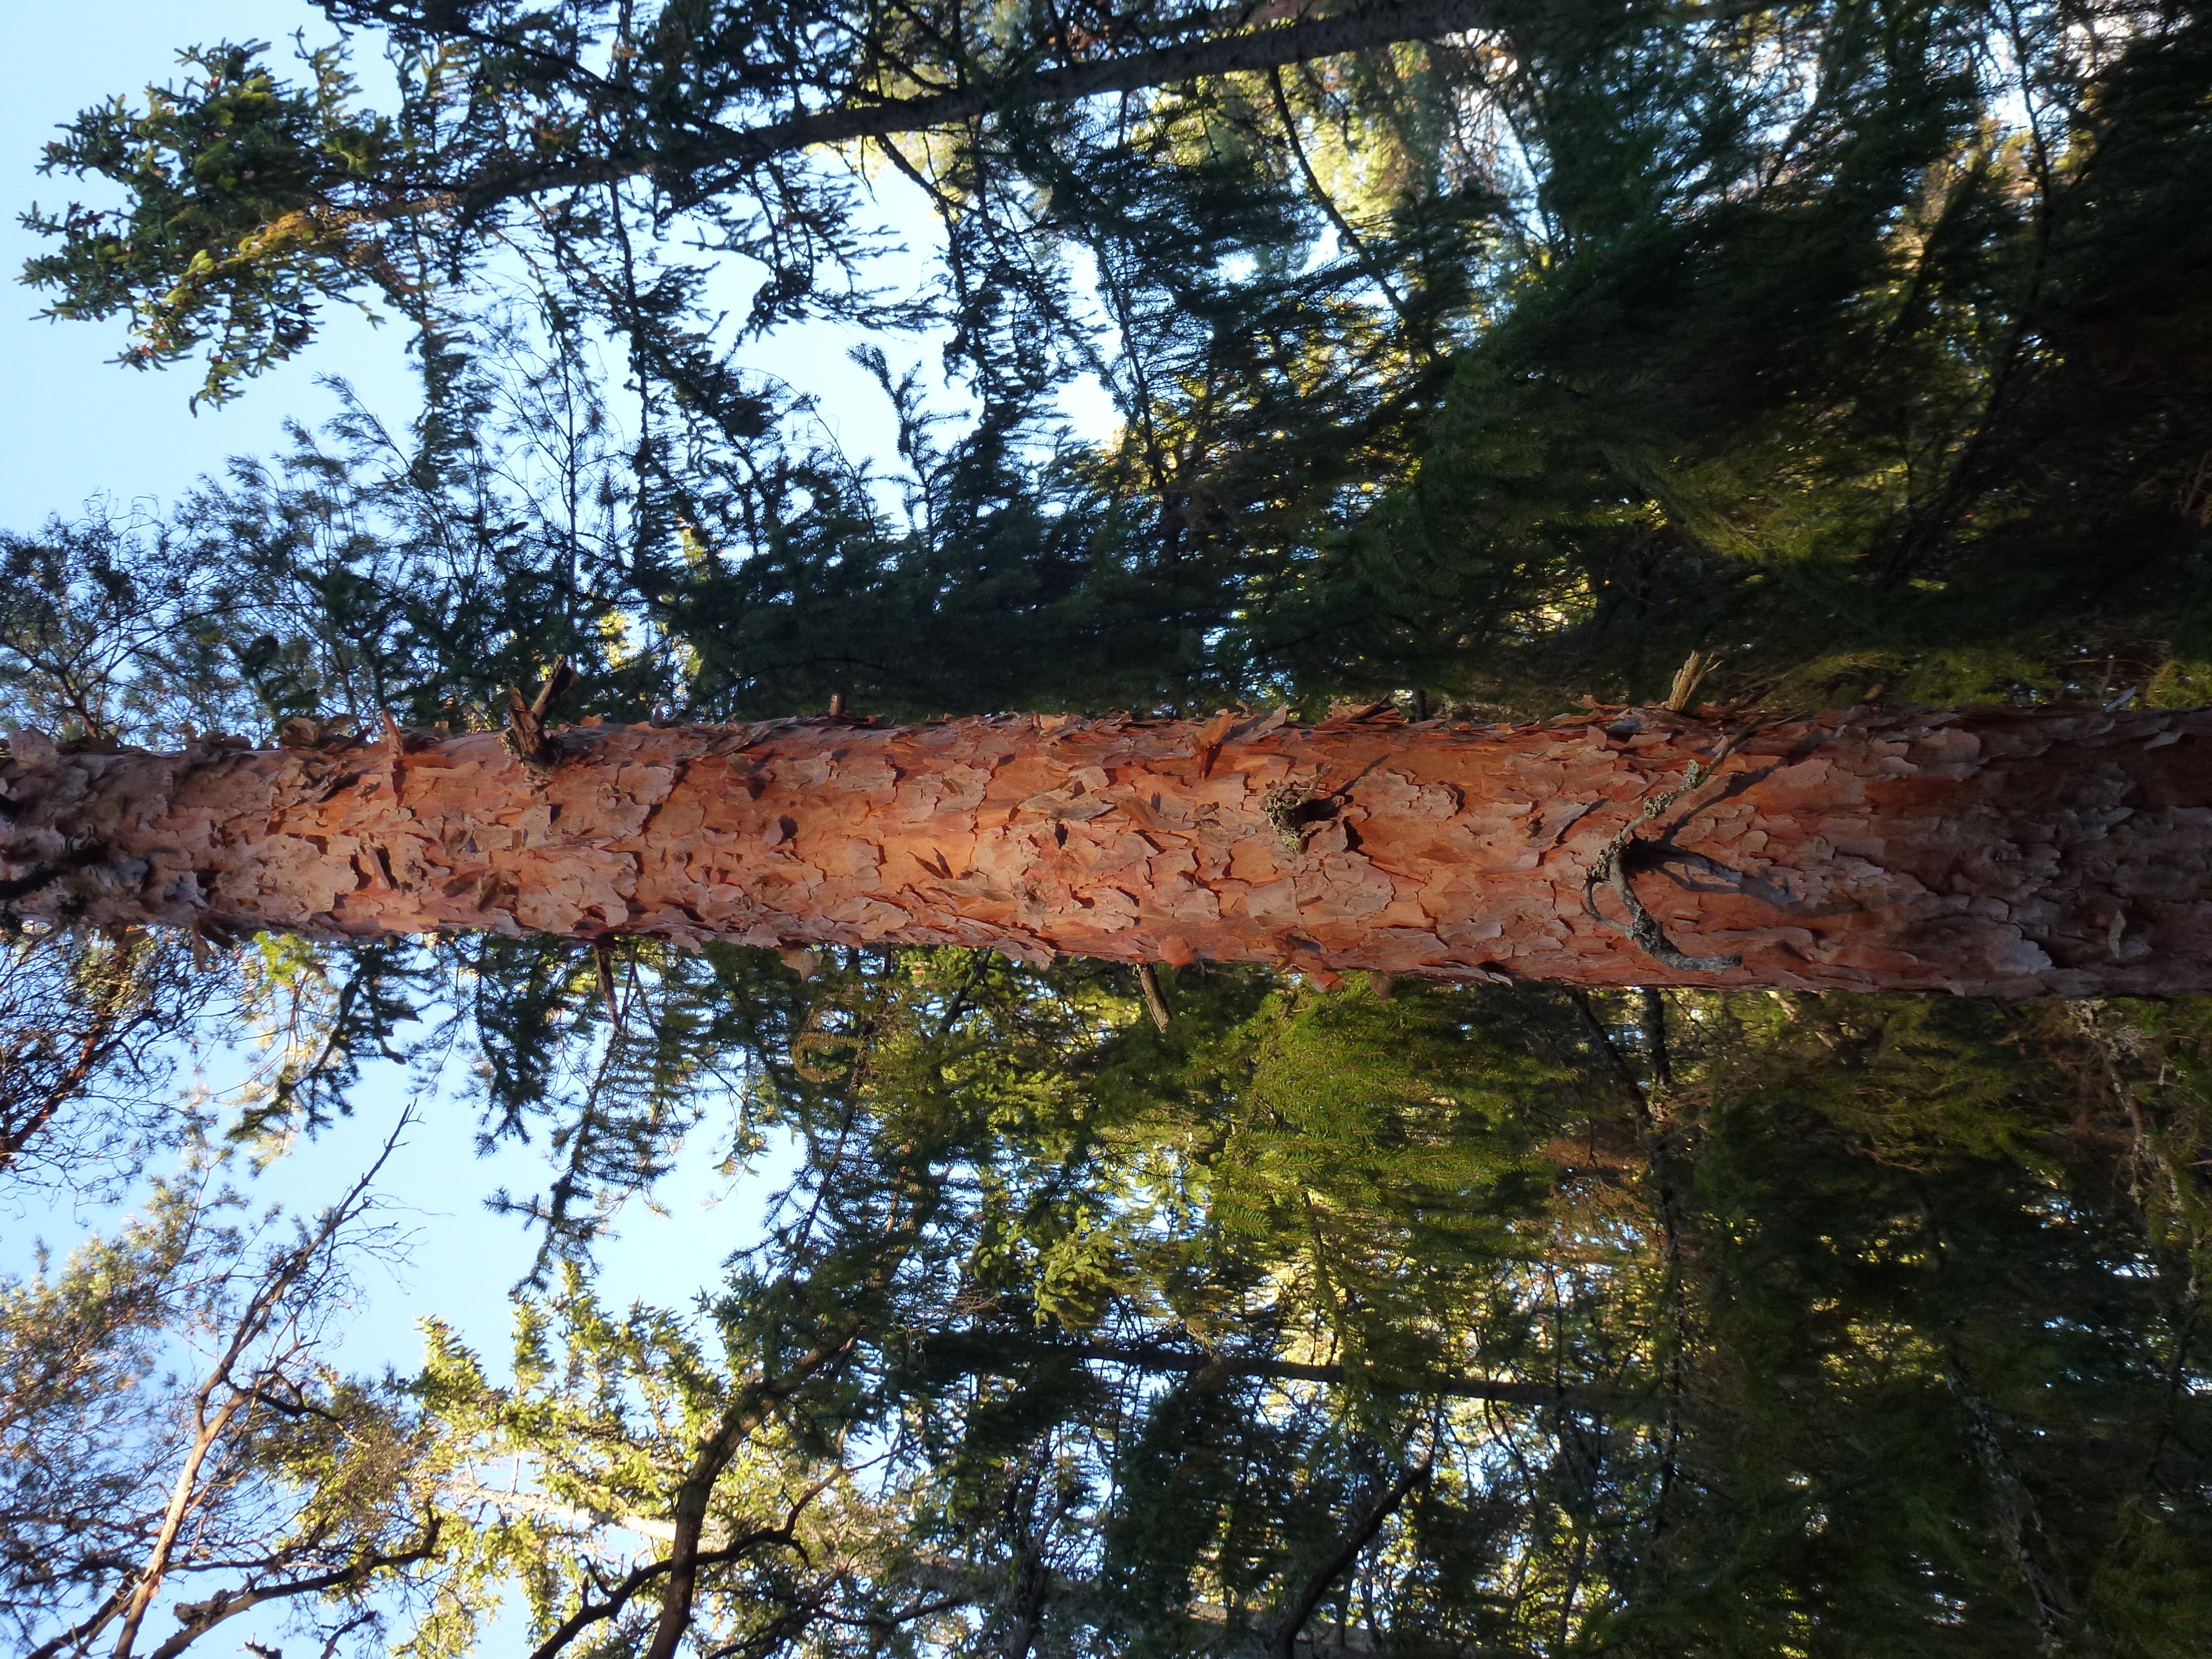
[525, 734]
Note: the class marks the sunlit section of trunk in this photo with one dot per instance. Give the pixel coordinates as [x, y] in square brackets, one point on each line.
[2013, 853]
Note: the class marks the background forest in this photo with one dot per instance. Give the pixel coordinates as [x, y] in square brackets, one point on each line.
[1492, 356]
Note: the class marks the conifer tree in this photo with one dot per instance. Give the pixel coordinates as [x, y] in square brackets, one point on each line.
[2014, 854]
[1507, 364]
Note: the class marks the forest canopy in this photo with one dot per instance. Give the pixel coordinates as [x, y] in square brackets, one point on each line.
[1468, 359]
[1512, 362]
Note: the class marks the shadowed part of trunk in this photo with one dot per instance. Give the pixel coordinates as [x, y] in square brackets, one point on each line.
[2009, 854]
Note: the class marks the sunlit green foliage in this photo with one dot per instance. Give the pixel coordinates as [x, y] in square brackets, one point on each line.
[1864, 343]
[233, 238]
[1816, 366]
[1172, 1317]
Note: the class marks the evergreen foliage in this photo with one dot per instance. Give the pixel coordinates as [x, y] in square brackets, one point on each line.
[1866, 343]
[1506, 359]
[1913, 1366]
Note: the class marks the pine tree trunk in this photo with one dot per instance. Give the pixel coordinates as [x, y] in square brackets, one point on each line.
[1989, 853]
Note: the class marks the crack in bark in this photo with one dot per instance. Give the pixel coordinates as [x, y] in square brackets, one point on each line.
[1612, 869]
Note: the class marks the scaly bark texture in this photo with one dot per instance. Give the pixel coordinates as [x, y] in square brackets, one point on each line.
[2012, 854]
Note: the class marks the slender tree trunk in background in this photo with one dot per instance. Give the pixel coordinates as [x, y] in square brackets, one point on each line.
[2012, 854]
[1268, 36]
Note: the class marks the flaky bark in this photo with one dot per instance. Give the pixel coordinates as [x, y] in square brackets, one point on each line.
[1994, 853]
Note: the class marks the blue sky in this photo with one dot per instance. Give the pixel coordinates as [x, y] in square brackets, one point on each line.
[73, 426]
[77, 427]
